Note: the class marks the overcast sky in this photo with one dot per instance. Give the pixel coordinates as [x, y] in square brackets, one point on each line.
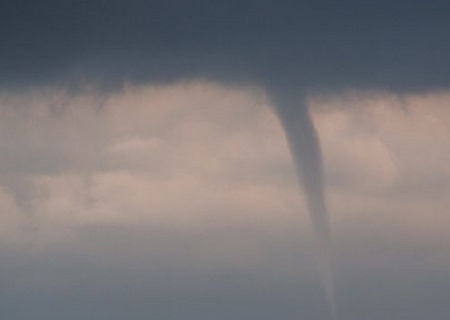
[145, 175]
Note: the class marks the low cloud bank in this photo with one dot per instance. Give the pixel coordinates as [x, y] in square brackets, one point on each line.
[196, 178]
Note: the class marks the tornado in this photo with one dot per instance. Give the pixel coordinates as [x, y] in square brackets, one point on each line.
[306, 154]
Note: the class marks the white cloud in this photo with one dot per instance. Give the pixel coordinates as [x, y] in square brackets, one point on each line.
[198, 156]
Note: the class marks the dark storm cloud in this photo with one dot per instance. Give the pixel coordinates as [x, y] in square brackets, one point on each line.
[400, 45]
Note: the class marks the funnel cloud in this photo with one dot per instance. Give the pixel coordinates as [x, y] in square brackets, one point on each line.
[307, 157]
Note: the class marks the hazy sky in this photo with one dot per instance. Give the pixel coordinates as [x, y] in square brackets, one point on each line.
[144, 174]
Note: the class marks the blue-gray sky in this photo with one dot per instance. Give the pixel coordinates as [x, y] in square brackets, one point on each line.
[143, 174]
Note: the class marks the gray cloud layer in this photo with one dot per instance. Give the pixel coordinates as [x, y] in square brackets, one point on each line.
[399, 45]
